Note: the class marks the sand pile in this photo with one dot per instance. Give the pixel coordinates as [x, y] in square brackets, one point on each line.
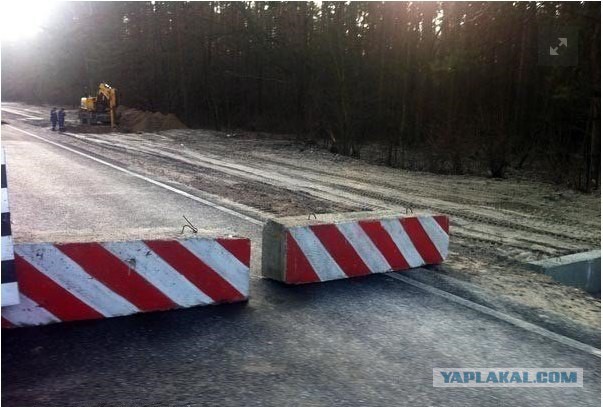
[134, 120]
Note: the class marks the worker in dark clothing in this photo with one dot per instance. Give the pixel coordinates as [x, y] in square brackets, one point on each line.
[62, 119]
[53, 118]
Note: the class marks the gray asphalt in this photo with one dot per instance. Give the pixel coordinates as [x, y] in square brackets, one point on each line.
[58, 195]
[367, 341]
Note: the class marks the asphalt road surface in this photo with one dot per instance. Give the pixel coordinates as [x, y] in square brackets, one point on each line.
[367, 341]
[58, 195]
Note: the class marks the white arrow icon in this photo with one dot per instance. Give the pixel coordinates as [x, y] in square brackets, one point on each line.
[562, 43]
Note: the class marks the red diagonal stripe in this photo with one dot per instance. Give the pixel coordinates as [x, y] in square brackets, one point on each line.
[385, 244]
[443, 222]
[6, 323]
[341, 250]
[195, 270]
[421, 241]
[48, 294]
[240, 248]
[299, 269]
[117, 276]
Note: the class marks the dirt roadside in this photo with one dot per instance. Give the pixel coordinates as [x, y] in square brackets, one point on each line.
[497, 225]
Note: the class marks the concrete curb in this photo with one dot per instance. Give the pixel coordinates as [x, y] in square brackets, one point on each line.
[299, 250]
[581, 270]
[62, 282]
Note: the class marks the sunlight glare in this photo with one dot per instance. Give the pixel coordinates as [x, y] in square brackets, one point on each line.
[23, 19]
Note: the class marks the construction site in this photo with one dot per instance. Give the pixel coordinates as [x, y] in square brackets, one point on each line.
[201, 252]
[500, 226]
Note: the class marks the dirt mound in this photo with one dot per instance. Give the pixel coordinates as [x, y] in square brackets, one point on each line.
[134, 120]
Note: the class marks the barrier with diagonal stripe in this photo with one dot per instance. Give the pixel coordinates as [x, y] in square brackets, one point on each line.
[10, 288]
[299, 250]
[77, 281]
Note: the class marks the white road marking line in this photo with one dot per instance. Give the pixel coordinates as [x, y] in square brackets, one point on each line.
[20, 114]
[28, 312]
[54, 264]
[499, 315]
[364, 246]
[7, 248]
[221, 261]
[438, 236]
[152, 181]
[395, 230]
[319, 258]
[158, 272]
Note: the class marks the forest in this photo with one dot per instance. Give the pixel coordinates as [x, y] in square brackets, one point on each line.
[450, 87]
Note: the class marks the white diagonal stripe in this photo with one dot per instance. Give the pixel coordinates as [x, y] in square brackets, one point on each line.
[319, 258]
[27, 313]
[438, 236]
[53, 263]
[10, 294]
[365, 247]
[158, 272]
[403, 242]
[221, 261]
[5, 200]
[7, 248]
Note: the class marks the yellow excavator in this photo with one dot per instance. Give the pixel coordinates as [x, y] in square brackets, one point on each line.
[99, 108]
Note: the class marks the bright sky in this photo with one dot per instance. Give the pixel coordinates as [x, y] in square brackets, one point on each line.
[22, 19]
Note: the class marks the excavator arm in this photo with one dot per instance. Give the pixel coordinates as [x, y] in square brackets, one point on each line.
[108, 95]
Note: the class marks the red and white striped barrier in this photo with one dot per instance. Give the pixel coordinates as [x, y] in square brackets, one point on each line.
[77, 281]
[10, 288]
[298, 250]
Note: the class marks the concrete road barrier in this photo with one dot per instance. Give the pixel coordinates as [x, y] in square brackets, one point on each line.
[299, 250]
[581, 270]
[10, 288]
[78, 281]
